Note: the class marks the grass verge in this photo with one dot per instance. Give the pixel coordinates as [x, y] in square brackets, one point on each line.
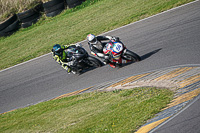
[119, 110]
[73, 26]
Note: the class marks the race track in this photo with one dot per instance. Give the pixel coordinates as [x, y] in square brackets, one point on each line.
[168, 39]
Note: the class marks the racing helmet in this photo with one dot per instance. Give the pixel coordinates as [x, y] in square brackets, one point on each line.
[92, 39]
[57, 50]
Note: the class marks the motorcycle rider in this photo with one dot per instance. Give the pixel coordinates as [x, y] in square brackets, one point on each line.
[62, 56]
[96, 45]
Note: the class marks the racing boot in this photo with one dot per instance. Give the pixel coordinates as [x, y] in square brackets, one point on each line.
[112, 64]
[68, 69]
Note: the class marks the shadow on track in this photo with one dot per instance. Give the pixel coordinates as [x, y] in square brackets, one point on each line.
[143, 57]
[86, 70]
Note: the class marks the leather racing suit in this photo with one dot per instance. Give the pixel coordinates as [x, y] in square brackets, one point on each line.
[97, 49]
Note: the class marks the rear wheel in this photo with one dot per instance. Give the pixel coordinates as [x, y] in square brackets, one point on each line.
[94, 62]
[131, 56]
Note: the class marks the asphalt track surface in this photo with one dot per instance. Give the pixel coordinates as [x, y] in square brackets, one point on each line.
[168, 39]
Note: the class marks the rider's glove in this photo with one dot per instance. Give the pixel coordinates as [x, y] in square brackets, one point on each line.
[106, 56]
[106, 59]
[78, 45]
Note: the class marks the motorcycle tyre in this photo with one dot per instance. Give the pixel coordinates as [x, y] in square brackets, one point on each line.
[129, 55]
[94, 62]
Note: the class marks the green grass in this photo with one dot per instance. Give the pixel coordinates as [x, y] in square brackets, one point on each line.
[118, 111]
[73, 26]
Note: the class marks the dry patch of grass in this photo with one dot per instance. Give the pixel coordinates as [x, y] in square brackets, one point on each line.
[9, 7]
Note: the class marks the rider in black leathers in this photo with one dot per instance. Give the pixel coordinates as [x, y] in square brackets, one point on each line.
[63, 54]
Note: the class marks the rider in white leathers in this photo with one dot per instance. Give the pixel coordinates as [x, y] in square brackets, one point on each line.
[96, 45]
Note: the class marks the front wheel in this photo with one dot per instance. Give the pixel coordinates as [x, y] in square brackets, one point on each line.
[94, 62]
[131, 56]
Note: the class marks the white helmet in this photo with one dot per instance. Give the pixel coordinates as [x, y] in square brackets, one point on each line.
[92, 39]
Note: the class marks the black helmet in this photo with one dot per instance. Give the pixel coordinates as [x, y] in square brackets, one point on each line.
[57, 50]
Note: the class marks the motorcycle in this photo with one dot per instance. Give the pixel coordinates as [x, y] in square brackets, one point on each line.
[80, 59]
[119, 54]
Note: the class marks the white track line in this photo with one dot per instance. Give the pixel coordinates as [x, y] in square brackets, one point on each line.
[187, 106]
[152, 16]
[110, 31]
[24, 62]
